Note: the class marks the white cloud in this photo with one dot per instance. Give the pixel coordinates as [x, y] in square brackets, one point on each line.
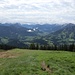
[37, 11]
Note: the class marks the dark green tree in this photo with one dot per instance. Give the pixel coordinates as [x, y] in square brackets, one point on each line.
[71, 47]
[37, 46]
[32, 46]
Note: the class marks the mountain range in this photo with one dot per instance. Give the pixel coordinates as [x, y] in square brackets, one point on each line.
[23, 34]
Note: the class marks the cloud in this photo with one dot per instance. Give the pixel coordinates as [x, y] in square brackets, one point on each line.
[37, 11]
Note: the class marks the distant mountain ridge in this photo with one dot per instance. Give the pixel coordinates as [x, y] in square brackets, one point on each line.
[15, 30]
[47, 28]
[20, 35]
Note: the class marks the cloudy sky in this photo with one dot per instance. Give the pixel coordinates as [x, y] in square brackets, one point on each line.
[37, 11]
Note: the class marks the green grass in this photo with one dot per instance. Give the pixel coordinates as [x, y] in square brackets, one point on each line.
[28, 62]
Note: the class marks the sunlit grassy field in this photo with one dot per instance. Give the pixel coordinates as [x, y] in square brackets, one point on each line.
[32, 62]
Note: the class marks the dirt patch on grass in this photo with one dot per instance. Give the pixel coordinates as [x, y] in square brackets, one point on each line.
[46, 67]
[7, 54]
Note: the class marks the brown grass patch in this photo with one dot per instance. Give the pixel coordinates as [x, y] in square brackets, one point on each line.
[7, 54]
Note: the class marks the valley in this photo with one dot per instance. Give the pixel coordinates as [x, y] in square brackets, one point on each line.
[47, 34]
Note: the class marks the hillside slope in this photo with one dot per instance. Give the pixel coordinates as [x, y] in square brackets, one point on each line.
[34, 62]
[65, 35]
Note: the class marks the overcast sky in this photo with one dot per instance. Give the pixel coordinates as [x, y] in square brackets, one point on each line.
[37, 11]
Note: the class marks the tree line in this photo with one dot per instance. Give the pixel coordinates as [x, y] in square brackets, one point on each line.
[63, 47]
[6, 47]
[33, 46]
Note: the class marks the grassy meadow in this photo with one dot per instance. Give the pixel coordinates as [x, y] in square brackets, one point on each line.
[36, 62]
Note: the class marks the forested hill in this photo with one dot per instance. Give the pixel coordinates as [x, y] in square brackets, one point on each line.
[66, 35]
